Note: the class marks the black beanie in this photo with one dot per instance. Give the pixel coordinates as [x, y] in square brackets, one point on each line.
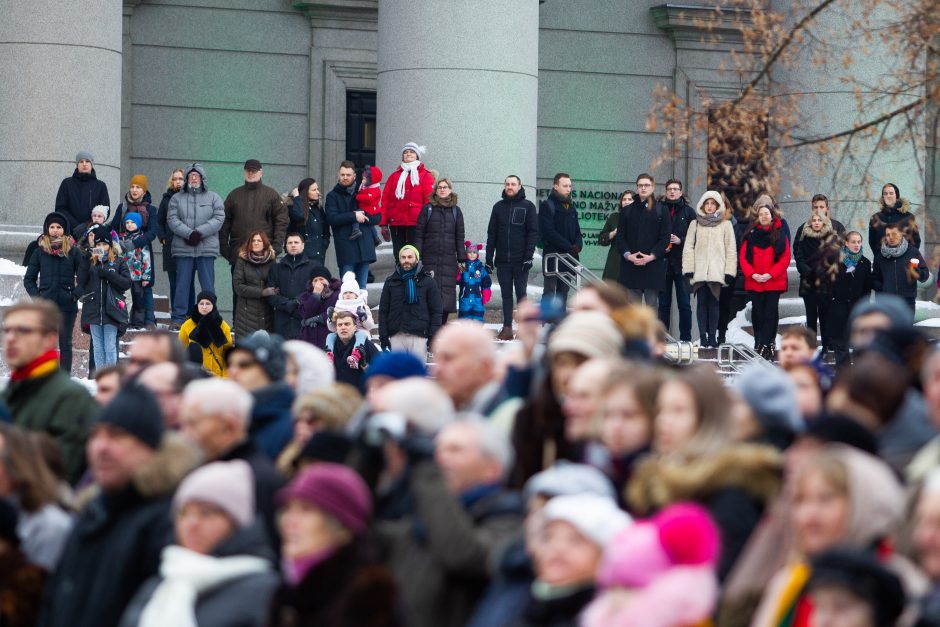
[9, 516]
[207, 295]
[865, 577]
[267, 350]
[102, 234]
[135, 409]
[837, 428]
[55, 218]
[325, 446]
[319, 271]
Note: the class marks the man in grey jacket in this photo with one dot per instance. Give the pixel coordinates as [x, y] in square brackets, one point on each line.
[194, 216]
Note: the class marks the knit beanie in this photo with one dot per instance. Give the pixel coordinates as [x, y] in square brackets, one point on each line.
[595, 517]
[9, 518]
[891, 305]
[840, 429]
[412, 249]
[84, 154]
[681, 535]
[230, 486]
[335, 489]
[587, 333]
[101, 234]
[565, 478]
[472, 248]
[349, 284]
[321, 271]
[206, 295]
[135, 410]
[140, 180]
[771, 395]
[865, 577]
[413, 146]
[395, 365]
[102, 210]
[267, 350]
[134, 217]
[54, 218]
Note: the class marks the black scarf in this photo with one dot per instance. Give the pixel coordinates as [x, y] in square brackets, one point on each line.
[208, 329]
[763, 237]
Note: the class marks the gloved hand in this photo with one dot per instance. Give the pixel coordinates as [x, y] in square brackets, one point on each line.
[417, 447]
[729, 279]
[386, 234]
[527, 265]
[688, 275]
[386, 346]
[361, 314]
[313, 321]
[574, 250]
[194, 238]
[270, 291]
[487, 294]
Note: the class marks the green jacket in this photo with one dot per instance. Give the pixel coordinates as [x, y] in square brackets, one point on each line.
[59, 407]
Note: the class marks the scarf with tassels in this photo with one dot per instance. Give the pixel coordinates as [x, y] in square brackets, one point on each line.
[408, 170]
[44, 365]
[408, 277]
[849, 258]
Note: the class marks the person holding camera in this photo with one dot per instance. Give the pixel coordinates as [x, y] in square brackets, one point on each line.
[103, 282]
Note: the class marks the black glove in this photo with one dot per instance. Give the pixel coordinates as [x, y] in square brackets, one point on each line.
[729, 279]
[386, 346]
[194, 238]
[362, 315]
[527, 265]
[574, 250]
[688, 275]
[489, 267]
[313, 321]
[418, 448]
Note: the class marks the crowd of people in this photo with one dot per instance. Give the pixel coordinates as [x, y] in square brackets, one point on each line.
[285, 470]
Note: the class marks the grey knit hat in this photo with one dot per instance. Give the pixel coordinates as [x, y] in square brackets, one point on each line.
[267, 350]
[891, 305]
[84, 154]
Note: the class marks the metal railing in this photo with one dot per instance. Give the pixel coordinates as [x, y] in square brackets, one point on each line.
[735, 356]
[679, 352]
[569, 270]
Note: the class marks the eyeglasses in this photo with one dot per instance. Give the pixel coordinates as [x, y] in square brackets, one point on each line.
[18, 331]
[241, 364]
[443, 186]
[644, 184]
[673, 189]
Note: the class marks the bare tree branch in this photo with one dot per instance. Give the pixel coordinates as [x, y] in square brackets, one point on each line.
[861, 127]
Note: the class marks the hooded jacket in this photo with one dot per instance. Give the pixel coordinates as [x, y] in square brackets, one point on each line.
[513, 230]
[901, 215]
[78, 195]
[248, 208]
[709, 253]
[195, 210]
[404, 211]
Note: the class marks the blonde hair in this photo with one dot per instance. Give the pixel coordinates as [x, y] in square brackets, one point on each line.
[713, 431]
[169, 181]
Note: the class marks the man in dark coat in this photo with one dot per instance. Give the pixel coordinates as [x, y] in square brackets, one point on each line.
[252, 207]
[511, 237]
[410, 307]
[215, 414]
[642, 238]
[681, 215]
[560, 231]
[81, 192]
[286, 282]
[116, 542]
[342, 212]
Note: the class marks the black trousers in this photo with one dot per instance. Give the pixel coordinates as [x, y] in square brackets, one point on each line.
[729, 304]
[65, 340]
[511, 276]
[838, 316]
[401, 235]
[706, 312]
[817, 315]
[765, 316]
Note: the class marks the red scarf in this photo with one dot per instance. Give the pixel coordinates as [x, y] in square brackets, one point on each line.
[42, 366]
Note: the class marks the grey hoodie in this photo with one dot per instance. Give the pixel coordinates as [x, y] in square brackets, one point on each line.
[195, 209]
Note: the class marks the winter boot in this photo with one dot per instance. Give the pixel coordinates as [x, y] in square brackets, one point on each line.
[505, 334]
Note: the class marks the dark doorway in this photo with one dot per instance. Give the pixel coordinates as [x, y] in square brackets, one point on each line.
[360, 127]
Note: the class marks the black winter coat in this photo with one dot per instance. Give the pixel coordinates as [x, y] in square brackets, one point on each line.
[559, 227]
[900, 214]
[164, 233]
[341, 208]
[612, 265]
[78, 195]
[396, 315]
[292, 276]
[53, 277]
[439, 237]
[93, 282]
[271, 423]
[513, 231]
[253, 310]
[741, 226]
[647, 231]
[315, 230]
[891, 275]
[851, 287]
[352, 588]
[681, 215]
[345, 374]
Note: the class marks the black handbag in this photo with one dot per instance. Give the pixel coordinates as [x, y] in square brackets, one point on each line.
[115, 307]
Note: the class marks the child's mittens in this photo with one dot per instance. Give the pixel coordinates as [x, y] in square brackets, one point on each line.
[486, 295]
[361, 314]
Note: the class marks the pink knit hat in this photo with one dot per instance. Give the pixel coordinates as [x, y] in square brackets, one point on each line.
[680, 535]
[335, 489]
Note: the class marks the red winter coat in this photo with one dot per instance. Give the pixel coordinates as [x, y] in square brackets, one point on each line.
[405, 211]
[368, 199]
[763, 262]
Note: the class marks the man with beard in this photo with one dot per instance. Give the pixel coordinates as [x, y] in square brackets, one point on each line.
[342, 212]
[410, 307]
[681, 215]
[560, 231]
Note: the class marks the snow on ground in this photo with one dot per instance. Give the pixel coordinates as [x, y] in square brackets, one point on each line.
[11, 268]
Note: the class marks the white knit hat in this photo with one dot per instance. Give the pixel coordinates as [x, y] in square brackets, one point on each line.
[230, 486]
[596, 517]
[419, 150]
[104, 210]
[588, 333]
[349, 284]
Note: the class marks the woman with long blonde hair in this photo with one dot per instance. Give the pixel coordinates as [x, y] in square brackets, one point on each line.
[103, 282]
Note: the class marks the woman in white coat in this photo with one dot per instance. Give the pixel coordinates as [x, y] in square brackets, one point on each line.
[709, 260]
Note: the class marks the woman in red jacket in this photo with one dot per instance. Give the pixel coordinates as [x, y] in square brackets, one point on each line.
[406, 192]
[764, 258]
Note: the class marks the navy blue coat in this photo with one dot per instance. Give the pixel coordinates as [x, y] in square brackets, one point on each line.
[341, 208]
[149, 231]
[78, 195]
[272, 425]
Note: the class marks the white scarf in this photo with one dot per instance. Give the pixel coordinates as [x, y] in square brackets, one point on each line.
[406, 168]
[186, 574]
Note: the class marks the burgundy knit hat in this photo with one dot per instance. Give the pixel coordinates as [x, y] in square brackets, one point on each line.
[335, 489]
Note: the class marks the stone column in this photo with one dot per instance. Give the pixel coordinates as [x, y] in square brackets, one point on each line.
[61, 93]
[462, 79]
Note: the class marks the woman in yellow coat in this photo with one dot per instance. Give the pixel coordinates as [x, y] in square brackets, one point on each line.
[205, 331]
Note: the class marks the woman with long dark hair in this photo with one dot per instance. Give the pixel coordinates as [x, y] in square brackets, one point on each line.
[764, 258]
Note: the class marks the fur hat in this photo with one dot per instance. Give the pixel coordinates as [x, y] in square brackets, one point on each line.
[84, 154]
[136, 218]
[140, 180]
[230, 486]
[569, 478]
[54, 218]
[419, 150]
[349, 284]
[335, 489]
[321, 271]
[267, 350]
[371, 174]
[473, 248]
[588, 333]
[680, 535]
[597, 518]
[135, 410]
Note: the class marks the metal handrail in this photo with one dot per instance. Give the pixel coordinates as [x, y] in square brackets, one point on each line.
[731, 355]
[576, 273]
[681, 352]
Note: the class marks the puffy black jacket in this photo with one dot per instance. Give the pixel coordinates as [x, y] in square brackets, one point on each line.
[78, 195]
[53, 277]
[439, 236]
[93, 282]
[396, 315]
[681, 216]
[559, 227]
[292, 276]
[891, 275]
[316, 230]
[513, 230]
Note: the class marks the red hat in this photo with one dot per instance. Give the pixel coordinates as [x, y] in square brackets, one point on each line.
[337, 490]
[373, 173]
[471, 247]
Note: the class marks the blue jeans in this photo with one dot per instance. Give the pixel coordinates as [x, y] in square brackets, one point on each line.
[683, 302]
[104, 344]
[361, 270]
[171, 275]
[205, 267]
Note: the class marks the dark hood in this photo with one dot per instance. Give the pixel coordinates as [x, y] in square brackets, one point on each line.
[85, 176]
[519, 196]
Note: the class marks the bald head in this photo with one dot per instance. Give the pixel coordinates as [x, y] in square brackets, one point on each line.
[465, 360]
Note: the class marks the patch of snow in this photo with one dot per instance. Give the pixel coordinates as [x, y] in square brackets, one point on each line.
[11, 268]
[928, 322]
[793, 320]
[736, 333]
